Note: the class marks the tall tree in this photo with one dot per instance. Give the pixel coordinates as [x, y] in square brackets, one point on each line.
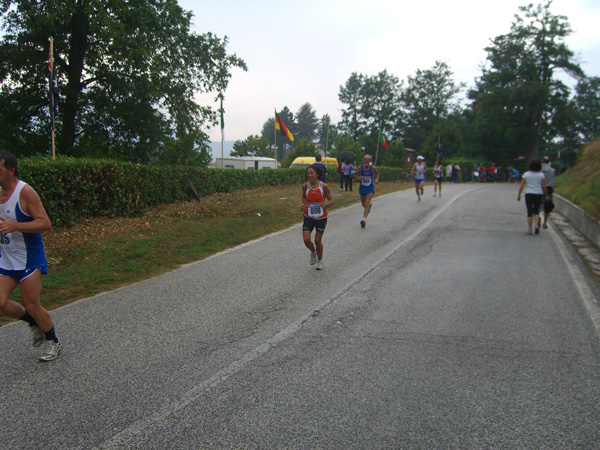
[128, 74]
[430, 96]
[307, 123]
[518, 96]
[351, 94]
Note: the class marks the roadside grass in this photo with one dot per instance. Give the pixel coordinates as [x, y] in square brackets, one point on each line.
[581, 184]
[102, 254]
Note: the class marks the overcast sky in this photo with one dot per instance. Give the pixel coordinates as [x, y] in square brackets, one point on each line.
[300, 51]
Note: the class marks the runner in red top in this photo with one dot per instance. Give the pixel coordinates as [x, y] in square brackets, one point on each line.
[316, 197]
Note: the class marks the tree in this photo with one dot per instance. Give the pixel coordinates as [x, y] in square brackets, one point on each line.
[351, 94]
[253, 146]
[587, 105]
[345, 142]
[302, 148]
[268, 131]
[307, 123]
[430, 96]
[519, 103]
[372, 101]
[128, 74]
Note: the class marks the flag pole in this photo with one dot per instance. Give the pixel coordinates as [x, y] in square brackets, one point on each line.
[327, 140]
[222, 135]
[51, 66]
[377, 151]
[275, 134]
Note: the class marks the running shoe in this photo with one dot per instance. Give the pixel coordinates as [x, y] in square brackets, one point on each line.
[545, 226]
[418, 199]
[319, 265]
[362, 223]
[529, 232]
[51, 351]
[313, 258]
[433, 195]
[38, 336]
[537, 230]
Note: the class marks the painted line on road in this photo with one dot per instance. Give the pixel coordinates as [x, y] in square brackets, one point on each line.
[119, 441]
[583, 288]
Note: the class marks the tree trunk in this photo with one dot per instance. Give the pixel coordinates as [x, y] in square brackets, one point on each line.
[78, 46]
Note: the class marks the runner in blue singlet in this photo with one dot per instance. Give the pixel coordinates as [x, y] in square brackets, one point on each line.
[367, 175]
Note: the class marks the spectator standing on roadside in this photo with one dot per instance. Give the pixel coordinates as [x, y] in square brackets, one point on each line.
[438, 176]
[340, 171]
[449, 172]
[456, 173]
[348, 170]
[323, 168]
[22, 255]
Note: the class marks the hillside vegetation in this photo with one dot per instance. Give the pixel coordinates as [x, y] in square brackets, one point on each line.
[581, 184]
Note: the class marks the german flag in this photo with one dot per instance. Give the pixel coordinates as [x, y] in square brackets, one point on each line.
[281, 127]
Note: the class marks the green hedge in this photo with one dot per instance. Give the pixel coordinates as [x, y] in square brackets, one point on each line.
[73, 189]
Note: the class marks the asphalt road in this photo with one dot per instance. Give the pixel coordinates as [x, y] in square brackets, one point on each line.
[441, 325]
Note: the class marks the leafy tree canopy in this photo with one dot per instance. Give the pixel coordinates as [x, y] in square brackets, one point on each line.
[128, 74]
[253, 146]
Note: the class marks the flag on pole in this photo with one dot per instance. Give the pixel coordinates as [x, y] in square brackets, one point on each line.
[382, 140]
[440, 152]
[222, 122]
[53, 92]
[559, 155]
[282, 128]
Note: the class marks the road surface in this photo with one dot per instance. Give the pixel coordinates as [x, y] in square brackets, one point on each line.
[441, 325]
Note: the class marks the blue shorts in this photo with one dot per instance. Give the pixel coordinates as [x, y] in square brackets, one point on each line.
[366, 190]
[418, 182]
[21, 275]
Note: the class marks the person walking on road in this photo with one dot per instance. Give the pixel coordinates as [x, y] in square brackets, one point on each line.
[316, 197]
[418, 169]
[22, 255]
[438, 177]
[368, 176]
[535, 188]
[548, 172]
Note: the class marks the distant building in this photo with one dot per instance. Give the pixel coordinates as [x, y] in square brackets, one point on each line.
[245, 162]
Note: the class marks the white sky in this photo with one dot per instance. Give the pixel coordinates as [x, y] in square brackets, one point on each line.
[300, 51]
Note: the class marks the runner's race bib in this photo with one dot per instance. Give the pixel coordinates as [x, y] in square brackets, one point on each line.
[315, 211]
[366, 180]
[6, 242]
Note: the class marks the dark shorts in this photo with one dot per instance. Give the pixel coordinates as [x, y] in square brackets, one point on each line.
[310, 224]
[438, 179]
[533, 202]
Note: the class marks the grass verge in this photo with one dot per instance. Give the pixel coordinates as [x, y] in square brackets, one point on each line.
[102, 254]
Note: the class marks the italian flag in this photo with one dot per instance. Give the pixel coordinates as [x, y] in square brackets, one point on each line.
[382, 140]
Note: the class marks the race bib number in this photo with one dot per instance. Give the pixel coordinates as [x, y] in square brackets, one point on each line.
[315, 211]
[6, 242]
[366, 181]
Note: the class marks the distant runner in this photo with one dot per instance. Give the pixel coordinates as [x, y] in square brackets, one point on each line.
[367, 175]
[419, 168]
[316, 197]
